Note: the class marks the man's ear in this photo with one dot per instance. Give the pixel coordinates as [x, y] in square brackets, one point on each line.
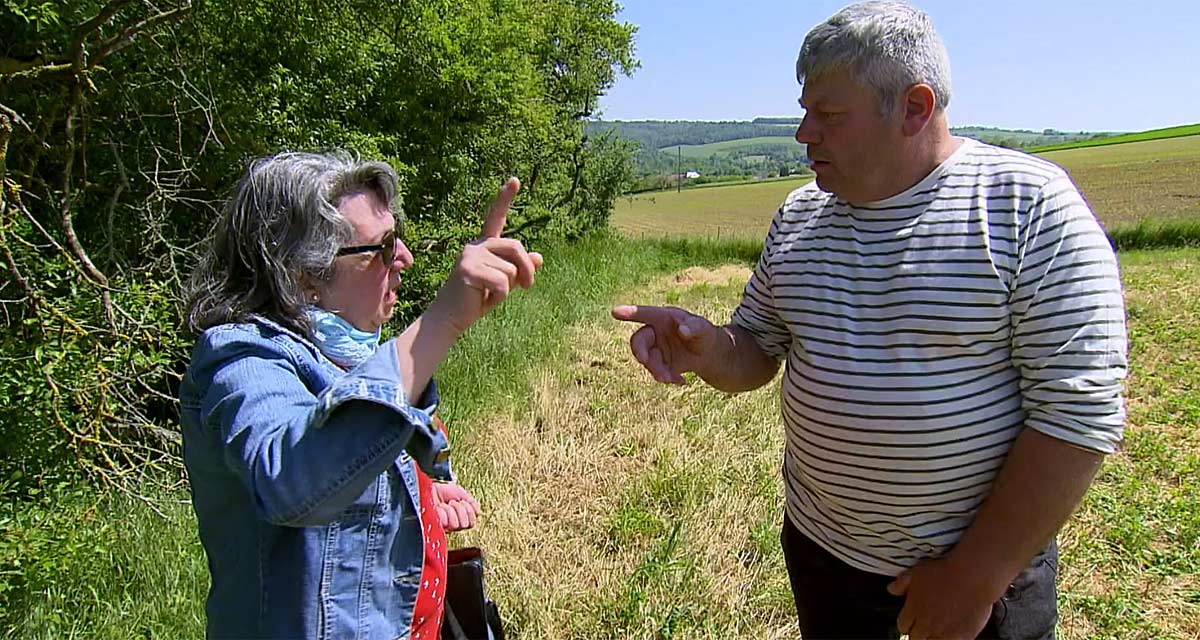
[918, 102]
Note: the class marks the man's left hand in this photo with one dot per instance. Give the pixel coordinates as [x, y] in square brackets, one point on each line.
[941, 600]
[457, 509]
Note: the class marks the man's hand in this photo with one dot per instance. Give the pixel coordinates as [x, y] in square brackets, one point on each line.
[671, 341]
[488, 269]
[457, 509]
[942, 601]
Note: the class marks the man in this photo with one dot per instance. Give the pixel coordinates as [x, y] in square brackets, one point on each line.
[952, 322]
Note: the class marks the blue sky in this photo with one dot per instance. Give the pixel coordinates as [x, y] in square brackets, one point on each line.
[1032, 64]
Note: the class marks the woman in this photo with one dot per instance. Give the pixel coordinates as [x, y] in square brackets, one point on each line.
[302, 435]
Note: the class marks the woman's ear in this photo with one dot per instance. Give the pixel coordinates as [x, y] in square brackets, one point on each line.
[310, 290]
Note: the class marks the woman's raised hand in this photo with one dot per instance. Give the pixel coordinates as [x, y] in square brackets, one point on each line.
[489, 268]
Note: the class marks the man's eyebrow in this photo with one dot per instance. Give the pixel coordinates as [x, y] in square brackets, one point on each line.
[813, 102]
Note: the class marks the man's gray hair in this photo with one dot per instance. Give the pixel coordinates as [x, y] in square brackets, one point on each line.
[279, 231]
[887, 46]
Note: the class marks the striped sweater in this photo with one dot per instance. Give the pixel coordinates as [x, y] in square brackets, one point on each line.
[921, 334]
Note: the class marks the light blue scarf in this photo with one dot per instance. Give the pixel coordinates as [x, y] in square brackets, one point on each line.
[339, 340]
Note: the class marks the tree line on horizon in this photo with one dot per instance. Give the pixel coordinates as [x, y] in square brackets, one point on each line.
[657, 162]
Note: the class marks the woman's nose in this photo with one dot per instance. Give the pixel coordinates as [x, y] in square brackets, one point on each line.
[402, 258]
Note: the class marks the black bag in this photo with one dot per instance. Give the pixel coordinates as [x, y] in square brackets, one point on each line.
[469, 614]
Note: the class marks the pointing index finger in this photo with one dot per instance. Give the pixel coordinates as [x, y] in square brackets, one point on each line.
[497, 214]
[640, 313]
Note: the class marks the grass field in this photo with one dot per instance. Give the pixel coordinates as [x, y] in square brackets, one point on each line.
[1140, 136]
[618, 508]
[1126, 184]
[706, 150]
[742, 210]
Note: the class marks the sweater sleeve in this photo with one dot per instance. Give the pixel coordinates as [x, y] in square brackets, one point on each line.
[756, 313]
[1068, 323]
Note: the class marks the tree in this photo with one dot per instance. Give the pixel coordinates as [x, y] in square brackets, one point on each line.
[124, 122]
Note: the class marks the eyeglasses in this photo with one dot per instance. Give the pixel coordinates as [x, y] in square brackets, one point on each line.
[386, 246]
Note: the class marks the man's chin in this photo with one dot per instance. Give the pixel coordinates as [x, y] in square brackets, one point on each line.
[826, 185]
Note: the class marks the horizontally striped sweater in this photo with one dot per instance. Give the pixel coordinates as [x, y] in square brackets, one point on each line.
[921, 334]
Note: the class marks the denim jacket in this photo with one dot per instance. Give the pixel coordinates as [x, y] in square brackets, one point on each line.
[303, 486]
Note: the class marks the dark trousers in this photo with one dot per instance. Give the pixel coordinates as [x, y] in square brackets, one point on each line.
[835, 600]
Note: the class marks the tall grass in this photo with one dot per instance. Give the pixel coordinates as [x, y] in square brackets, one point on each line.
[618, 508]
[80, 563]
[1149, 234]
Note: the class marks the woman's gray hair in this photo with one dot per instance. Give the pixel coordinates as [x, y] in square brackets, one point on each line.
[280, 231]
[888, 46]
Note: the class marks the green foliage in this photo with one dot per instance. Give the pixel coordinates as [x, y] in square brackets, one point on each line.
[75, 563]
[123, 124]
[36, 13]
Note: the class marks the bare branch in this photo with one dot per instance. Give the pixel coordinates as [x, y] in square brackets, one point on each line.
[14, 117]
[126, 37]
[62, 68]
[9, 66]
[11, 263]
[14, 199]
[112, 203]
[97, 21]
[5, 132]
[65, 219]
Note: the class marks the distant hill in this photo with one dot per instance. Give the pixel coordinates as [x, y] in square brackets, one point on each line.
[792, 120]
[1026, 139]
[658, 134]
[747, 146]
[762, 147]
[668, 134]
[1140, 136]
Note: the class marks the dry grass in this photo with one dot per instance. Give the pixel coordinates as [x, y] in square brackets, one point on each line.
[736, 211]
[1128, 183]
[617, 507]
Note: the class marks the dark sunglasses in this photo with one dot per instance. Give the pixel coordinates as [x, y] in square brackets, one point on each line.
[386, 246]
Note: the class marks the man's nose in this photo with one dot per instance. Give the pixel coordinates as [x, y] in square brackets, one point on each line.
[807, 133]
